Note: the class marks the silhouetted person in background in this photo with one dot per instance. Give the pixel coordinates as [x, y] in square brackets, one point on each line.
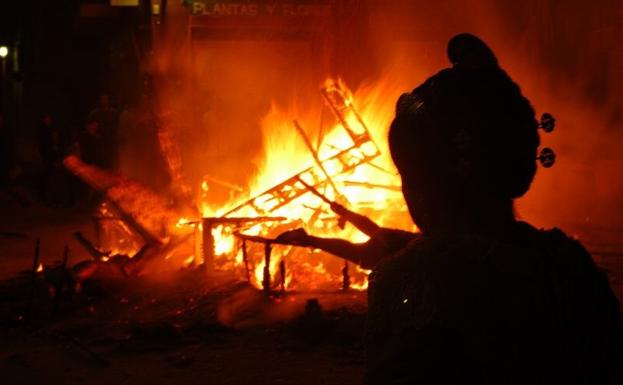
[138, 142]
[94, 147]
[106, 120]
[53, 143]
[479, 297]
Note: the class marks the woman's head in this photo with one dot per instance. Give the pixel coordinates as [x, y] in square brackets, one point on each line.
[465, 140]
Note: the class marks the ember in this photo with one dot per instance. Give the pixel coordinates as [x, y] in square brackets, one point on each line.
[347, 153]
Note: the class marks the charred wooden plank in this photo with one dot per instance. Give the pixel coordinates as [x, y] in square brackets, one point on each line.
[88, 246]
[266, 272]
[258, 239]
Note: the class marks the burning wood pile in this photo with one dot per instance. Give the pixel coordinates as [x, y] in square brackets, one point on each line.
[138, 231]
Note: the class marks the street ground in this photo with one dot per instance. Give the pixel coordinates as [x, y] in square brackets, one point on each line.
[182, 328]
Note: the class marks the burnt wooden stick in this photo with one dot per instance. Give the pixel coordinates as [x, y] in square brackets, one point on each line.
[208, 245]
[382, 169]
[197, 234]
[245, 258]
[239, 220]
[330, 94]
[314, 191]
[150, 252]
[266, 273]
[58, 285]
[134, 225]
[338, 114]
[315, 155]
[345, 276]
[370, 163]
[258, 239]
[230, 186]
[88, 246]
[361, 222]
[139, 254]
[130, 268]
[371, 185]
[282, 271]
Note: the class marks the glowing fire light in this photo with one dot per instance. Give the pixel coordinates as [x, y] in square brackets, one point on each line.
[285, 155]
[189, 261]
[369, 189]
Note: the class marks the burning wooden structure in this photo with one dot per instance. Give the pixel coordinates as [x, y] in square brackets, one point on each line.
[241, 237]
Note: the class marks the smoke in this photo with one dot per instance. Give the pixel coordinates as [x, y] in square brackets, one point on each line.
[563, 55]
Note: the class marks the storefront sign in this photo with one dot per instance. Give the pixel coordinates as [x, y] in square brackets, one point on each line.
[255, 9]
[124, 3]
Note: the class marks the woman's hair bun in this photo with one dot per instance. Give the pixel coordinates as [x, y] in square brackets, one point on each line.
[467, 127]
[468, 51]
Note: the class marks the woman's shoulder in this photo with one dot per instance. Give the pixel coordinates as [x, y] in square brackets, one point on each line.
[523, 238]
[424, 252]
[432, 273]
[525, 251]
[566, 254]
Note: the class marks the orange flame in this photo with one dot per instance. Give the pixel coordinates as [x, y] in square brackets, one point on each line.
[370, 188]
[285, 154]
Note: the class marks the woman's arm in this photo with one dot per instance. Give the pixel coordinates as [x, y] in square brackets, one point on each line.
[366, 255]
[339, 247]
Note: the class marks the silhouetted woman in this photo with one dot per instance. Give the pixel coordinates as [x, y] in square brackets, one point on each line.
[479, 297]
